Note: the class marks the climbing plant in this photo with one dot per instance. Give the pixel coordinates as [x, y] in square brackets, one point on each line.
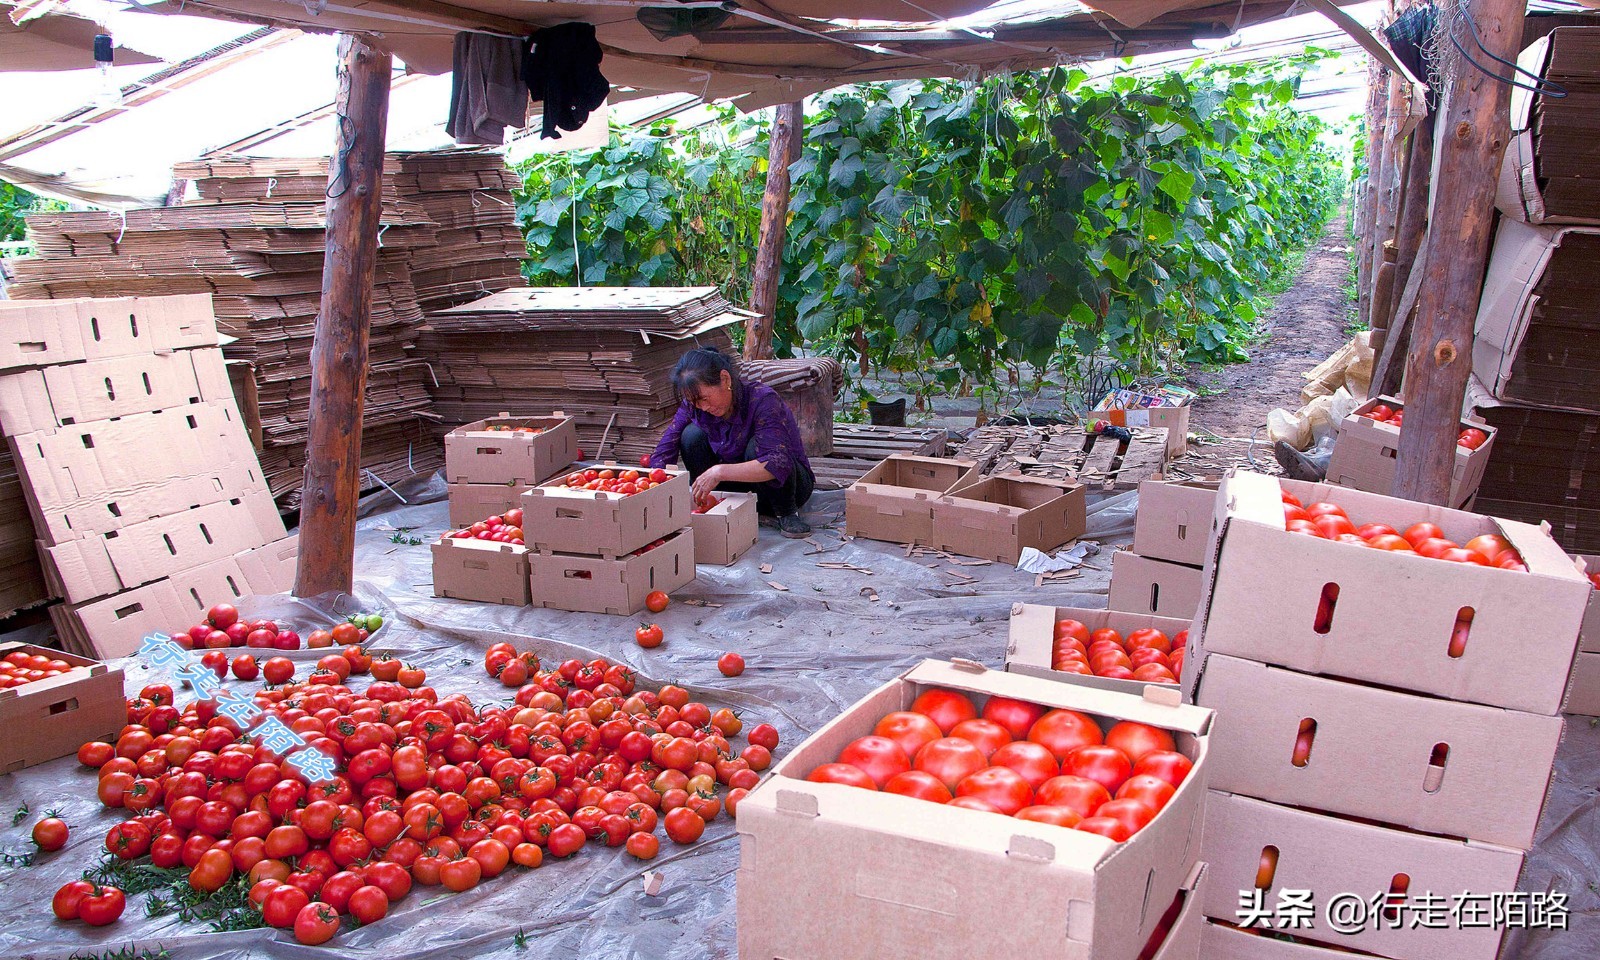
[958, 230]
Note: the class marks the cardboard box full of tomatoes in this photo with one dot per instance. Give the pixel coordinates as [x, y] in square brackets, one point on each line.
[1056, 643]
[725, 529]
[51, 701]
[1407, 595]
[485, 561]
[471, 502]
[1369, 440]
[605, 509]
[616, 585]
[511, 450]
[953, 795]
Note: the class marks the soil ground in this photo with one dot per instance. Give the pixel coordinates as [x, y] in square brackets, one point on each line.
[1306, 324]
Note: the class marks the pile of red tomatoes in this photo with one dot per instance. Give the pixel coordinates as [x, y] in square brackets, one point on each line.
[624, 483]
[19, 667]
[1019, 760]
[1329, 522]
[500, 529]
[1146, 655]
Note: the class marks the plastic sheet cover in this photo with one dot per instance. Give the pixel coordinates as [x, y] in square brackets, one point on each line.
[811, 650]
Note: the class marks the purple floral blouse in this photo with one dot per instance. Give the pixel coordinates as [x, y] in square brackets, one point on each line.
[759, 413]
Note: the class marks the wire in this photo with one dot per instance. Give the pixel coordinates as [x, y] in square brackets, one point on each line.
[1540, 85]
[348, 135]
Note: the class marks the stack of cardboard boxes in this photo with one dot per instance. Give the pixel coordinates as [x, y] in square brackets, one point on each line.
[1365, 455]
[948, 505]
[1162, 575]
[1535, 359]
[1391, 725]
[1583, 693]
[145, 494]
[21, 579]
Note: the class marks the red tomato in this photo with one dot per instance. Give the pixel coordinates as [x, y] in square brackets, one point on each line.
[1380, 412]
[66, 901]
[1324, 509]
[1137, 739]
[951, 760]
[1062, 731]
[1083, 796]
[1434, 547]
[1107, 827]
[1016, 716]
[1491, 545]
[1074, 629]
[1000, 787]
[1035, 762]
[1133, 814]
[986, 735]
[911, 730]
[1148, 789]
[1292, 513]
[316, 923]
[730, 664]
[945, 707]
[1107, 766]
[369, 904]
[684, 825]
[282, 905]
[842, 773]
[1060, 816]
[1369, 530]
[878, 757]
[1389, 541]
[1418, 532]
[1472, 438]
[918, 784]
[1332, 526]
[1150, 639]
[101, 906]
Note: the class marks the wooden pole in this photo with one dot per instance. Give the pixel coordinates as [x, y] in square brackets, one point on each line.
[1386, 183]
[339, 349]
[1473, 129]
[1408, 246]
[782, 150]
[1366, 195]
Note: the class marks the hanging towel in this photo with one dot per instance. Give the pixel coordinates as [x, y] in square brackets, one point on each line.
[562, 69]
[486, 91]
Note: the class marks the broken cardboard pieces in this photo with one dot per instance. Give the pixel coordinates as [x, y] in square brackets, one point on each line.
[726, 531]
[66, 394]
[510, 450]
[53, 717]
[1442, 767]
[562, 519]
[1030, 646]
[1364, 455]
[1251, 844]
[1173, 521]
[996, 518]
[893, 501]
[1154, 587]
[39, 333]
[924, 870]
[615, 585]
[1385, 617]
[485, 570]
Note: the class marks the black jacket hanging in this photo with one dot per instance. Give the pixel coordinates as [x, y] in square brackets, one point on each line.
[562, 69]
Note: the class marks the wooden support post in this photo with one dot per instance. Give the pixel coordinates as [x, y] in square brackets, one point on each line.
[781, 151]
[1366, 193]
[1473, 129]
[1387, 184]
[1408, 247]
[339, 349]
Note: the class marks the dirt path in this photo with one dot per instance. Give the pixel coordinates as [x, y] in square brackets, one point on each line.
[1304, 326]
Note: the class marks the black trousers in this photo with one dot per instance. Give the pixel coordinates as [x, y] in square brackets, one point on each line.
[772, 498]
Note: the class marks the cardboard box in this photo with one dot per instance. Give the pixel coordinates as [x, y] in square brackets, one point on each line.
[114, 626]
[995, 518]
[1589, 633]
[1154, 587]
[1443, 767]
[1030, 647]
[80, 465]
[557, 519]
[1535, 328]
[43, 399]
[1583, 690]
[1220, 941]
[1173, 522]
[480, 570]
[893, 502]
[818, 858]
[1389, 616]
[1183, 936]
[44, 332]
[1175, 419]
[271, 568]
[105, 513]
[727, 531]
[618, 586]
[52, 718]
[476, 454]
[1332, 857]
[471, 502]
[1364, 455]
[140, 553]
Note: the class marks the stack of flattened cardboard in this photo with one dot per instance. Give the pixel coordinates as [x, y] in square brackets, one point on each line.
[1307, 646]
[479, 248]
[1536, 369]
[21, 580]
[135, 465]
[255, 240]
[602, 355]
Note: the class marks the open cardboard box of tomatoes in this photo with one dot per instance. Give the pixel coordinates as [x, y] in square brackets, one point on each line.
[1252, 844]
[51, 715]
[726, 530]
[1034, 646]
[1369, 440]
[821, 861]
[616, 585]
[510, 450]
[1463, 631]
[605, 514]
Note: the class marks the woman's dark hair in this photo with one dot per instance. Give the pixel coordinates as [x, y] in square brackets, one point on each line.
[703, 367]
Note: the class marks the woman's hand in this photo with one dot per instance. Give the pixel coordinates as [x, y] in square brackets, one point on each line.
[707, 482]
